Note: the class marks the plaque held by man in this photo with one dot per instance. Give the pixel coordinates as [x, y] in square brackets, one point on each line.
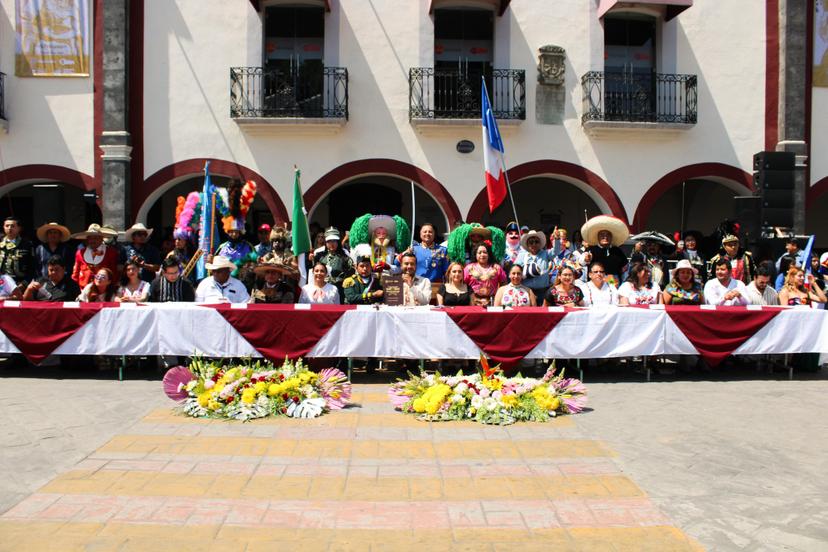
[393, 286]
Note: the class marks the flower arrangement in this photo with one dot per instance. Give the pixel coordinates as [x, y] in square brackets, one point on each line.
[488, 397]
[255, 389]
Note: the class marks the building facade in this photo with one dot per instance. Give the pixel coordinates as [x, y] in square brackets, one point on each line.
[650, 111]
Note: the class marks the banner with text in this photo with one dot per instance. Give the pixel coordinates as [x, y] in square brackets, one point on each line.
[52, 38]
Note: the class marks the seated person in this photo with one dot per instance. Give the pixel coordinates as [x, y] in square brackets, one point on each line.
[133, 288]
[220, 287]
[564, 293]
[318, 290]
[597, 291]
[416, 289]
[101, 289]
[684, 288]
[515, 294]
[639, 289]
[454, 291]
[795, 293]
[759, 291]
[724, 289]
[170, 286]
[362, 288]
[56, 287]
[273, 289]
[8, 287]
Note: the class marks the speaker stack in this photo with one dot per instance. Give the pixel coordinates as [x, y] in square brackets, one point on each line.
[773, 177]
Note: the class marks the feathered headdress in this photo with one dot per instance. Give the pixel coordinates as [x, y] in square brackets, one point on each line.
[239, 199]
[187, 214]
[360, 231]
[458, 241]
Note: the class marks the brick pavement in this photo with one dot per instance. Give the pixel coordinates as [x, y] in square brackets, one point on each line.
[361, 479]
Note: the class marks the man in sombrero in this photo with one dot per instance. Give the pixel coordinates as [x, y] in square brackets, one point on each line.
[94, 254]
[274, 288]
[53, 239]
[377, 237]
[605, 234]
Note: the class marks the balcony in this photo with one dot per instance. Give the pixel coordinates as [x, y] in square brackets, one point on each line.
[451, 98]
[623, 101]
[313, 99]
[4, 124]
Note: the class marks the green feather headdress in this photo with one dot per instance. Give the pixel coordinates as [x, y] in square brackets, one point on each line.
[458, 242]
[359, 232]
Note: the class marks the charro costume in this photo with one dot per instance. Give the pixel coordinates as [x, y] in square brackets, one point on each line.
[16, 259]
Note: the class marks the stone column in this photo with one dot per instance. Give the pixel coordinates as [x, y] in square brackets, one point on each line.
[115, 139]
[793, 22]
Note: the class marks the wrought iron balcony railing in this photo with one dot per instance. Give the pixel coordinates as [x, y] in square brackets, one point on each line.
[2, 96]
[645, 98]
[455, 94]
[306, 92]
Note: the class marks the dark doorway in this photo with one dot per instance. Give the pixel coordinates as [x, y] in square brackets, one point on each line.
[629, 67]
[370, 198]
[37, 204]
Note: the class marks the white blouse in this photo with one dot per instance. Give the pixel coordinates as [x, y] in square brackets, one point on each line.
[328, 294]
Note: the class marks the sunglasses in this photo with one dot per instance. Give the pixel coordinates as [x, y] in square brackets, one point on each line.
[101, 277]
[597, 272]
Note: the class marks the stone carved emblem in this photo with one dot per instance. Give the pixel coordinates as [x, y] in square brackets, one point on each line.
[551, 66]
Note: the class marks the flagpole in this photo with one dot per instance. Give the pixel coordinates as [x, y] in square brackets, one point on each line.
[509, 188]
[413, 215]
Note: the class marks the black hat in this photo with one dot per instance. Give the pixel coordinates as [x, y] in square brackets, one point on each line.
[363, 259]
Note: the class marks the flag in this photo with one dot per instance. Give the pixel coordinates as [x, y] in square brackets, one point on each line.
[207, 224]
[492, 155]
[299, 224]
[806, 255]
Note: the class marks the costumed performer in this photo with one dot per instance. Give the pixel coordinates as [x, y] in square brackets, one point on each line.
[238, 250]
[94, 254]
[512, 244]
[339, 265]
[605, 234]
[377, 237]
[274, 288]
[362, 288]
[463, 242]
[742, 265]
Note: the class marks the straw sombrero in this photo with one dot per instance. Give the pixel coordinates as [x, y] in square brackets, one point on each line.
[524, 239]
[266, 266]
[95, 230]
[617, 227]
[137, 227]
[219, 262]
[43, 230]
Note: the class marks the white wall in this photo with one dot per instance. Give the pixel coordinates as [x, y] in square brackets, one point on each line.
[191, 45]
[50, 119]
[819, 135]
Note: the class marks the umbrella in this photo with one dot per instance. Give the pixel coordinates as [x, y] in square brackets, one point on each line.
[652, 235]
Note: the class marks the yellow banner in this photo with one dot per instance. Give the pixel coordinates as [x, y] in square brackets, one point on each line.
[52, 38]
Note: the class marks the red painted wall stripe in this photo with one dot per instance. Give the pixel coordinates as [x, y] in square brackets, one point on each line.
[771, 74]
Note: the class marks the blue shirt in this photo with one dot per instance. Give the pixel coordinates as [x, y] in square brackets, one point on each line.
[432, 263]
[541, 264]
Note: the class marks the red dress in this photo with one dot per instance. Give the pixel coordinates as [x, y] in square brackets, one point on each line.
[87, 263]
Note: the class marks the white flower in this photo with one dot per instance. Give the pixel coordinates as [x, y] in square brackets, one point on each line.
[477, 401]
[496, 395]
[484, 392]
[490, 404]
[461, 388]
[458, 399]
[208, 384]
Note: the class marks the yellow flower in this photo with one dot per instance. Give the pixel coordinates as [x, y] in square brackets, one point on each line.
[203, 399]
[213, 405]
[509, 401]
[273, 390]
[249, 395]
[544, 399]
[260, 387]
[419, 404]
[493, 384]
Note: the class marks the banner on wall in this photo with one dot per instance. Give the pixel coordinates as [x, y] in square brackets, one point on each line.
[52, 38]
[820, 73]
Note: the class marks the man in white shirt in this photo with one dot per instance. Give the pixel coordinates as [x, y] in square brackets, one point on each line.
[758, 291]
[416, 289]
[724, 290]
[220, 287]
[597, 291]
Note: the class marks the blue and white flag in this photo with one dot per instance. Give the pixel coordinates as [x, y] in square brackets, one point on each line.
[207, 224]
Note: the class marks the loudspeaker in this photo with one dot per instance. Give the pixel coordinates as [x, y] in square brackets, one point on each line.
[774, 180]
[782, 218]
[774, 160]
[777, 199]
[747, 211]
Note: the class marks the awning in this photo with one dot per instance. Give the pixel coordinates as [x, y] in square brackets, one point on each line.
[674, 7]
[499, 5]
[326, 3]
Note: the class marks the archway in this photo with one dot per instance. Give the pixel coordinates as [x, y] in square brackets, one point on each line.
[38, 194]
[146, 193]
[434, 203]
[816, 205]
[709, 189]
[549, 192]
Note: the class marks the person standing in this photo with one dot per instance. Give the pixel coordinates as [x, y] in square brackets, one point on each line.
[94, 254]
[144, 254]
[432, 258]
[15, 252]
[536, 261]
[53, 239]
[742, 266]
[263, 247]
[605, 235]
[337, 262]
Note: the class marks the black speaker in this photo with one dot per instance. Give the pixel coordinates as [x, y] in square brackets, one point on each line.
[774, 180]
[747, 212]
[777, 217]
[777, 199]
[774, 161]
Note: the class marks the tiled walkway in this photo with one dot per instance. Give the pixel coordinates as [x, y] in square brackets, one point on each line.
[361, 479]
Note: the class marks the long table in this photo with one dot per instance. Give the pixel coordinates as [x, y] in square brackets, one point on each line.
[426, 332]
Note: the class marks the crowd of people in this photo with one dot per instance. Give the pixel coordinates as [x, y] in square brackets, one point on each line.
[477, 265]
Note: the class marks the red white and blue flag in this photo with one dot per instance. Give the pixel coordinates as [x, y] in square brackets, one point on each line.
[492, 155]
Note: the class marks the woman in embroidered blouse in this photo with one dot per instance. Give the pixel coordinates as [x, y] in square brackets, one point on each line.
[102, 288]
[564, 293]
[134, 289]
[793, 292]
[318, 291]
[683, 289]
[454, 292]
[638, 289]
[515, 294]
[483, 276]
